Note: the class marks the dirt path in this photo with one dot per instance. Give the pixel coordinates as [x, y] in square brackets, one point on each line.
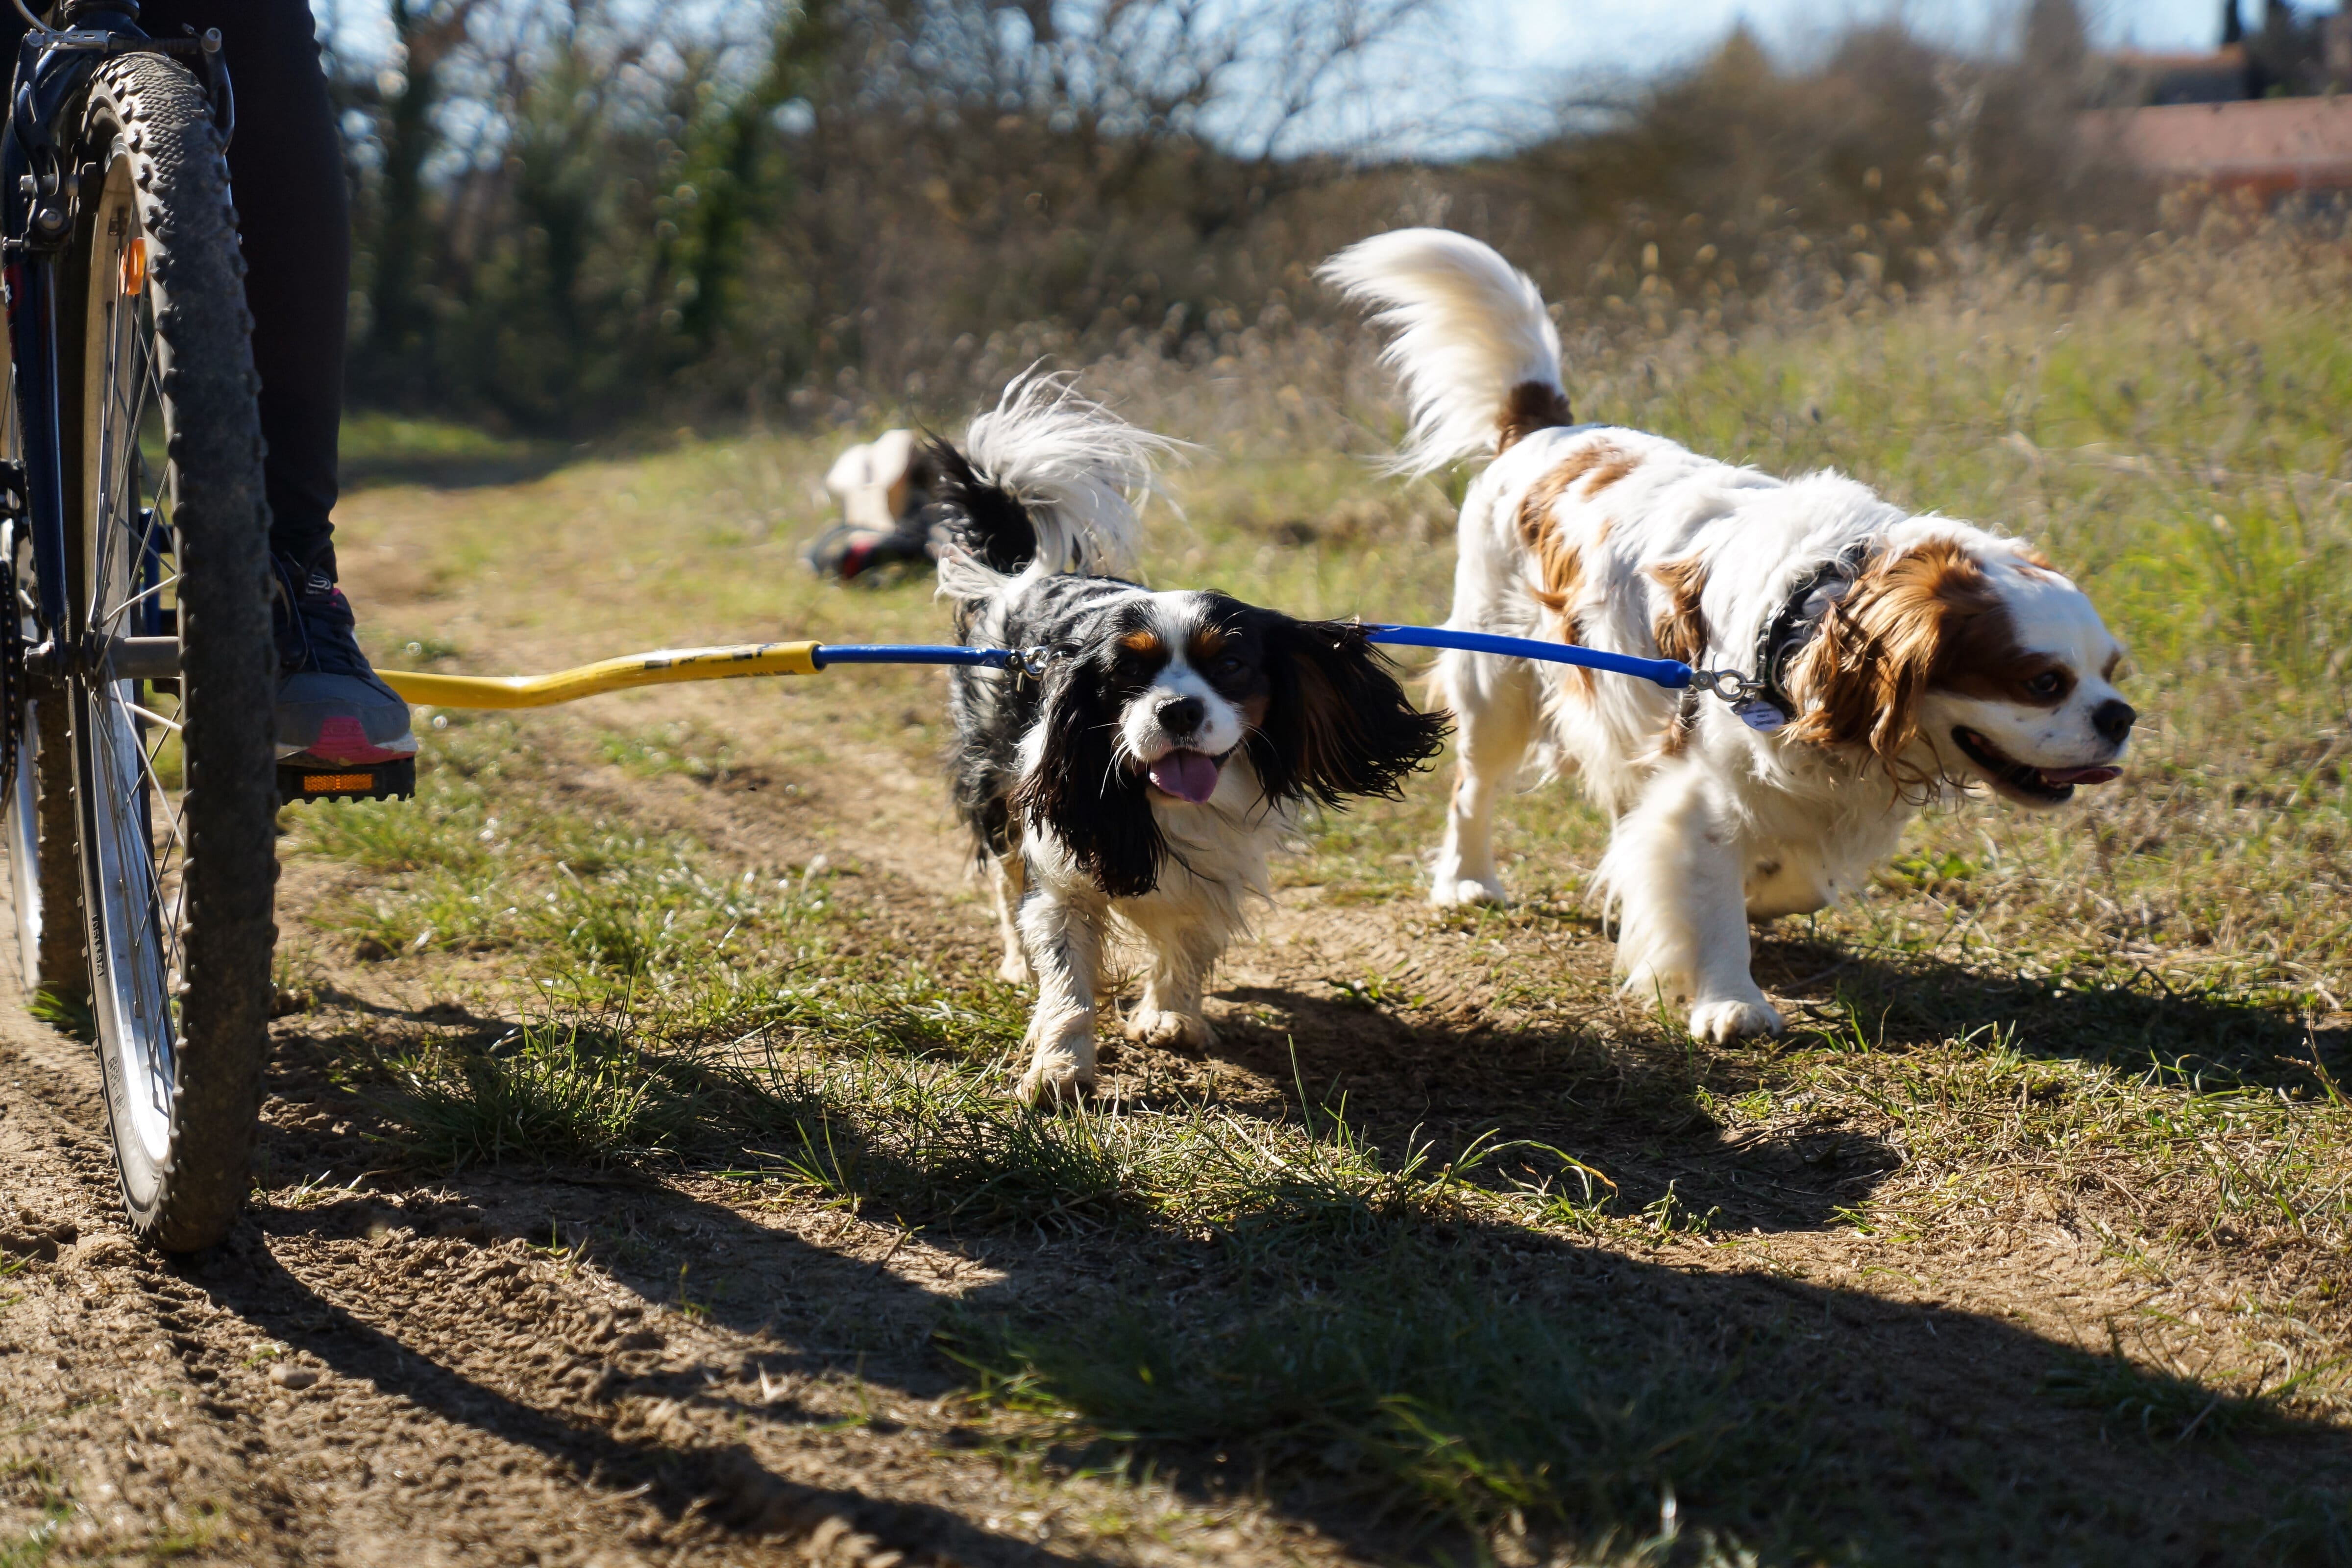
[604, 1369]
[420, 1374]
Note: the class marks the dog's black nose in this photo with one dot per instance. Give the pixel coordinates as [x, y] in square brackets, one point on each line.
[2114, 719]
[1181, 715]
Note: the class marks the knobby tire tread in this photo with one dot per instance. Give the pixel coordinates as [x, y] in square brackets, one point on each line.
[228, 668]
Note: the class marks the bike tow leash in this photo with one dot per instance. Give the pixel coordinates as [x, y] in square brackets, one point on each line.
[673, 666]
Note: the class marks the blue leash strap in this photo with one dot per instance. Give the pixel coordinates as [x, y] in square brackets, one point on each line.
[1671, 673]
[914, 653]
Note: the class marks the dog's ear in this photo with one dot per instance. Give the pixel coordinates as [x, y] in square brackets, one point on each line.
[1337, 723]
[1882, 645]
[1080, 790]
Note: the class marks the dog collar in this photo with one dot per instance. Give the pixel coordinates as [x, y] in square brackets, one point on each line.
[1768, 706]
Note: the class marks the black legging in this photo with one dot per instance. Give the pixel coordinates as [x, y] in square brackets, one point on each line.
[286, 166]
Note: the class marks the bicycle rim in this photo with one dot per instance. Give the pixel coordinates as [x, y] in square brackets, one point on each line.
[134, 841]
[24, 803]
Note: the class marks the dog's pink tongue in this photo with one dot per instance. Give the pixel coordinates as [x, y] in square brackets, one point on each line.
[1187, 776]
[2080, 776]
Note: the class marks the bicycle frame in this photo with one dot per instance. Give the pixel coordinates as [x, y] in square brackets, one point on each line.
[39, 198]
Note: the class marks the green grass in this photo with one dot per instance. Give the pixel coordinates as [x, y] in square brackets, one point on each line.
[1505, 1290]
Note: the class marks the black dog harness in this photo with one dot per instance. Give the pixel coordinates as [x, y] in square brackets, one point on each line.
[1768, 706]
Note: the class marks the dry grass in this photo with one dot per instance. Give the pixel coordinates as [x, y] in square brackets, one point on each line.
[2026, 1244]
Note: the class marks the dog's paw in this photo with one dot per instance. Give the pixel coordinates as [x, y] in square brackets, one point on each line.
[1456, 892]
[1016, 968]
[1720, 1022]
[1171, 1031]
[1054, 1081]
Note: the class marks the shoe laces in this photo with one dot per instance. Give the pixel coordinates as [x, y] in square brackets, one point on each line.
[291, 584]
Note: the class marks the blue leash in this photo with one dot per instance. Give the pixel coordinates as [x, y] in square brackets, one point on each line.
[1671, 673]
[1739, 690]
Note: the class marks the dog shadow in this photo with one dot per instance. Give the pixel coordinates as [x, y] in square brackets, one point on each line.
[1635, 1108]
[2127, 1025]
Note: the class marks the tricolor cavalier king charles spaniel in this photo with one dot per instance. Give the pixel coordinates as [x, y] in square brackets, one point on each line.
[1897, 657]
[1143, 776]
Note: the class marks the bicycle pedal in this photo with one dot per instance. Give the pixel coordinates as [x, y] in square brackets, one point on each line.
[376, 781]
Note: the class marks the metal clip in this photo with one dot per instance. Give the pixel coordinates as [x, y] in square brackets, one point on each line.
[1746, 695]
[1728, 684]
[1033, 662]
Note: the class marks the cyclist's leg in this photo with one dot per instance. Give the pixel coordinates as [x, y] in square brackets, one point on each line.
[287, 168]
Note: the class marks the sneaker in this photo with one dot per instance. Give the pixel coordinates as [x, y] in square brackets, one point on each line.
[331, 707]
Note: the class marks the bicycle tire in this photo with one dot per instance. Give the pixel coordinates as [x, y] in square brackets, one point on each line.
[178, 869]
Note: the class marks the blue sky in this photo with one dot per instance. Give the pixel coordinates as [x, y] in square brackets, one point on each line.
[1486, 67]
[1542, 37]
[1639, 36]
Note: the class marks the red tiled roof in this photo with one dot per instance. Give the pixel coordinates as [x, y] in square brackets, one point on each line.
[2229, 57]
[2274, 144]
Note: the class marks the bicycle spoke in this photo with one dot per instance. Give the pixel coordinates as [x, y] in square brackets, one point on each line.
[151, 717]
[141, 597]
[160, 860]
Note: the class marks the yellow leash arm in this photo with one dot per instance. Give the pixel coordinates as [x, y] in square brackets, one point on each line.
[666, 667]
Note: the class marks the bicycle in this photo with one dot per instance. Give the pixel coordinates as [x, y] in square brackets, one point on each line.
[138, 673]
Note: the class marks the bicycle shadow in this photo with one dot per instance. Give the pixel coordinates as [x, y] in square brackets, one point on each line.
[625, 1435]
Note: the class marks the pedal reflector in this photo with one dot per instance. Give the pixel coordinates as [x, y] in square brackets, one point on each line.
[395, 780]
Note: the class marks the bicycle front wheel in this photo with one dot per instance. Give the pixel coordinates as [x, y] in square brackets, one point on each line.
[175, 791]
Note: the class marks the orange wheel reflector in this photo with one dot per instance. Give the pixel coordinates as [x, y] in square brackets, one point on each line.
[133, 270]
[325, 783]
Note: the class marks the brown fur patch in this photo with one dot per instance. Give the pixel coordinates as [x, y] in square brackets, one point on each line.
[1528, 407]
[1679, 628]
[1205, 643]
[1559, 570]
[1981, 658]
[1140, 642]
[1928, 617]
[1605, 463]
[1616, 466]
[1679, 728]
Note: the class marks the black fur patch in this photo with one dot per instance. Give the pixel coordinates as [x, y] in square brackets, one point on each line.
[986, 519]
[1337, 723]
[1097, 807]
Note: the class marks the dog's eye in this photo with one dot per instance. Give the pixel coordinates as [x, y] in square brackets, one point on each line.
[1229, 665]
[2049, 683]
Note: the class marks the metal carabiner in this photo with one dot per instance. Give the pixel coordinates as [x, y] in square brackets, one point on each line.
[1033, 662]
[1731, 685]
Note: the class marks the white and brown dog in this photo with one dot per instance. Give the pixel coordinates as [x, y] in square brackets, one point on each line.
[1898, 657]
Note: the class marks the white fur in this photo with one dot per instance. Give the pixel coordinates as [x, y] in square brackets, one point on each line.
[1079, 469]
[1057, 919]
[1722, 824]
[1468, 327]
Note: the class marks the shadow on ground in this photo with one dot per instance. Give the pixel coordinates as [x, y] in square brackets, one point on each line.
[514, 463]
[2125, 1026]
[1367, 1379]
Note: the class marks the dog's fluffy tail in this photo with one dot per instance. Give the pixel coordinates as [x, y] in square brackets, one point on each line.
[1470, 340]
[1048, 480]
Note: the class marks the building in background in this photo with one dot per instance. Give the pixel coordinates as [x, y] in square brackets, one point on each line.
[2263, 112]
